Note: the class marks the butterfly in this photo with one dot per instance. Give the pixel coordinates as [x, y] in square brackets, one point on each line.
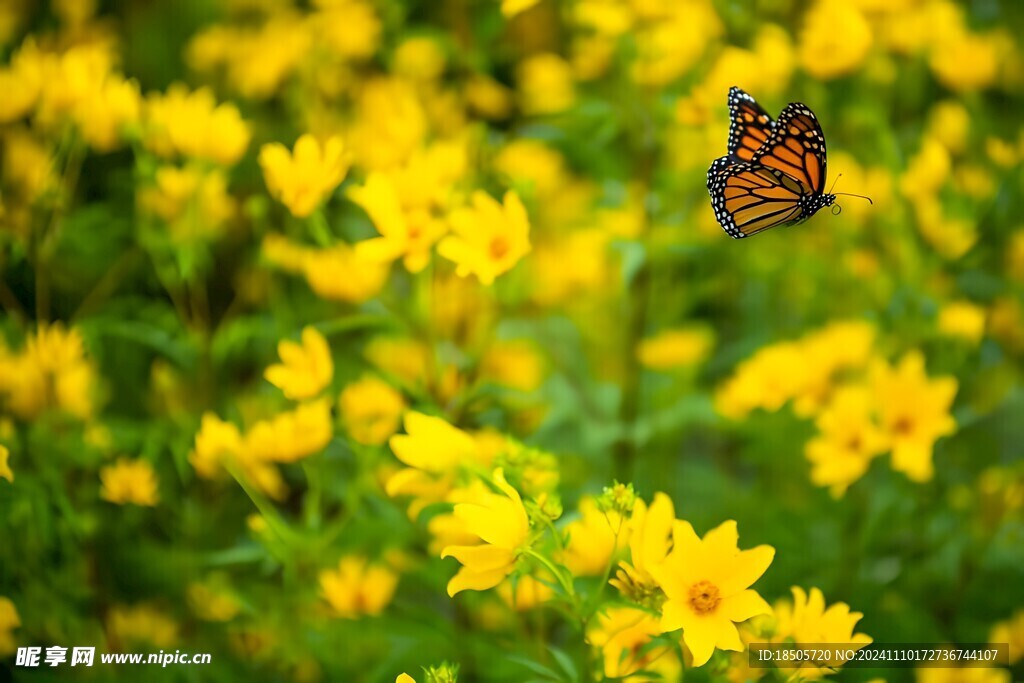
[774, 172]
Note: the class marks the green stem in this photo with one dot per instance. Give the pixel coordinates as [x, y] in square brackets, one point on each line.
[311, 504]
[320, 230]
[270, 514]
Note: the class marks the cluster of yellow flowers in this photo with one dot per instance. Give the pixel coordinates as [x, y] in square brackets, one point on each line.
[862, 405]
[305, 372]
[673, 578]
[51, 372]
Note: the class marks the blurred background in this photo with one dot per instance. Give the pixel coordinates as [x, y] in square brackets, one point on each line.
[848, 390]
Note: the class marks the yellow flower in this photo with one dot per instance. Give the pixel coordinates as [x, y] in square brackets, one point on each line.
[514, 363]
[767, 380]
[533, 164]
[1006, 322]
[675, 348]
[949, 122]
[292, 435]
[706, 582]
[194, 125]
[305, 369]
[673, 41]
[211, 601]
[21, 82]
[370, 409]
[9, 621]
[489, 239]
[950, 237]
[52, 371]
[1010, 631]
[28, 165]
[257, 61]
[594, 539]
[404, 233]
[805, 620]
[405, 678]
[649, 542]
[420, 59]
[433, 451]
[142, 623]
[623, 634]
[390, 124]
[847, 441]
[501, 523]
[528, 592]
[835, 40]
[914, 412]
[575, 264]
[215, 441]
[129, 481]
[431, 444]
[511, 8]
[927, 170]
[545, 84]
[965, 61]
[194, 203]
[104, 114]
[349, 28]
[363, 279]
[5, 468]
[404, 360]
[358, 588]
[963, 319]
[69, 79]
[301, 180]
[487, 97]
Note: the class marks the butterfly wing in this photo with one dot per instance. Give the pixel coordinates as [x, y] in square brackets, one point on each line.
[796, 147]
[748, 198]
[750, 125]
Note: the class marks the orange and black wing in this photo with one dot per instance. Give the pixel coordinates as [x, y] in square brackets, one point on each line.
[750, 125]
[796, 147]
[748, 198]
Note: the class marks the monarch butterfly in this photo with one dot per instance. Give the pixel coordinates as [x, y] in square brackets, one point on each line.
[774, 173]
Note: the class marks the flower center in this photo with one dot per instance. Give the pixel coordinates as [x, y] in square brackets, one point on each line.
[903, 426]
[499, 247]
[704, 597]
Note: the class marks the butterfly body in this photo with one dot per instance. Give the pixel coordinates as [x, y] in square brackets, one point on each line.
[774, 172]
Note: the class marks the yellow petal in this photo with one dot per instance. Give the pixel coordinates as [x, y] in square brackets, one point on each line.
[480, 558]
[468, 579]
[747, 568]
[744, 605]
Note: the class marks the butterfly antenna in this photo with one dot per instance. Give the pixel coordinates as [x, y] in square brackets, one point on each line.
[847, 194]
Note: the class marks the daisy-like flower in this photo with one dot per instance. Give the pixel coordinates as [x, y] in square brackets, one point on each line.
[131, 482]
[707, 585]
[806, 620]
[406, 232]
[500, 521]
[433, 451]
[302, 179]
[914, 412]
[488, 238]
[848, 440]
[357, 587]
[305, 369]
